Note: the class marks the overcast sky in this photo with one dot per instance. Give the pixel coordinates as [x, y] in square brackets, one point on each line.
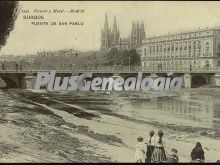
[159, 18]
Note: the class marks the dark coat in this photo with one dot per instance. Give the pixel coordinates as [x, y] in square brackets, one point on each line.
[197, 153]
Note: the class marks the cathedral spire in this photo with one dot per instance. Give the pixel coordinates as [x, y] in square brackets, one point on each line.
[114, 28]
[137, 24]
[106, 22]
[142, 25]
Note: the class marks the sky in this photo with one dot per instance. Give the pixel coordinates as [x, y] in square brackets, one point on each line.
[159, 18]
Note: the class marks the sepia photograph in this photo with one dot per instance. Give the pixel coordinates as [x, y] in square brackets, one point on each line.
[109, 82]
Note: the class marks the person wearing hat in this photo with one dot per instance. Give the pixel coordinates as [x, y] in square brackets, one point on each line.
[197, 154]
[159, 155]
[173, 157]
[150, 147]
[140, 150]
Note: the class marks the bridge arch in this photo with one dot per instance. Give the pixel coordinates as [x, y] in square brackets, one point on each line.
[11, 80]
[9, 83]
[199, 80]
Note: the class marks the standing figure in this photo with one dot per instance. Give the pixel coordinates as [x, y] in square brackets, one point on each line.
[150, 147]
[197, 153]
[140, 150]
[158, 155]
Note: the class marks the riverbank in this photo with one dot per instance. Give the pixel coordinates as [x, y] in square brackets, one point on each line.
[88, 127]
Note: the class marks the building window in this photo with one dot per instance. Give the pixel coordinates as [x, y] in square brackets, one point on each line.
[207, 46]
[185, 47]
[189, 45]
[145, 51]
[180, 47]
[206, 63]
[180, 64]
[194, 45]
[176, 47]
[207, 49]
[199, 45]
[199, 52]
[172, 64]
[194, 53]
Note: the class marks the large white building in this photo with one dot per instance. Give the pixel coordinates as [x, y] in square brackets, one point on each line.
[194, 49]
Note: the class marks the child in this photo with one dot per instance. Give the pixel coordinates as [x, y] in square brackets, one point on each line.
[140, 153]
[173, 157]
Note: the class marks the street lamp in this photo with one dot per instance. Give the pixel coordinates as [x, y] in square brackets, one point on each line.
[121, 65]
[73, 67]
[129, 60]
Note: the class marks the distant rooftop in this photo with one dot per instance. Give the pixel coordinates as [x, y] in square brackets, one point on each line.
[185, 31]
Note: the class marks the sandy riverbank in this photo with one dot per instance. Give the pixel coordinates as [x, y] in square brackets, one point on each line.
[43, 127]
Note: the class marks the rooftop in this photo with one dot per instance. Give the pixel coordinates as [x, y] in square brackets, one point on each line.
[182, 32]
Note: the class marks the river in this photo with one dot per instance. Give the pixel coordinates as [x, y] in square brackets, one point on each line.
[96, 127]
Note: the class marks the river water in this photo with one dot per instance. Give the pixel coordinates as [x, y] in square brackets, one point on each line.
[67, 127]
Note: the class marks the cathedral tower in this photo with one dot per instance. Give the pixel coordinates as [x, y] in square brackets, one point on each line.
[115, 33]
[109, 36]
[137, 34]
[105, 34]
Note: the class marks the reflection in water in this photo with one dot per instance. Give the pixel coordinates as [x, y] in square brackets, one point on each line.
[187, 109]
[199, 109]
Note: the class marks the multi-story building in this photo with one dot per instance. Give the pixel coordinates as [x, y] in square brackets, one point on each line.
[60, 53]
[186, 50]
[29, 58]
[7, 58]
[111, 38]
[12, 58]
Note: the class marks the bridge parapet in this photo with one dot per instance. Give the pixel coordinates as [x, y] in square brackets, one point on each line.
[118, 69]
[150, 70]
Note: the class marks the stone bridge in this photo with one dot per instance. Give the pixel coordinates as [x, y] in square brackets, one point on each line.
[194, 77]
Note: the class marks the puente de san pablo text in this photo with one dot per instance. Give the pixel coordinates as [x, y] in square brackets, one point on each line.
[192, 77]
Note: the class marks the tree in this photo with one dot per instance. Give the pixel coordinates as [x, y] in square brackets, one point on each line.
[8, 15]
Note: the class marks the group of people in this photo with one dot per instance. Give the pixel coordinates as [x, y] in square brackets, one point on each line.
[154, 150]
